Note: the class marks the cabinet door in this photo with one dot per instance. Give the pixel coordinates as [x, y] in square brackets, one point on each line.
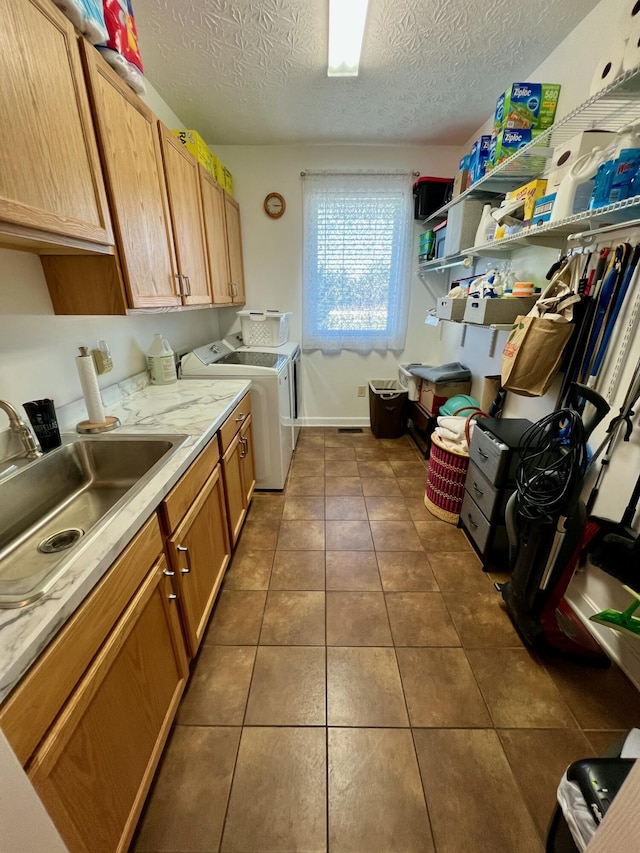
[216, 237]
[232, 463]
[247, 463]
[199, 551]
[50, 177]
[234, 243]
[181, 172]
[128, 141]
[95, 766]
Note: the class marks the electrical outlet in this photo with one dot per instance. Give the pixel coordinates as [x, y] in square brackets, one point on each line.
[361, 390]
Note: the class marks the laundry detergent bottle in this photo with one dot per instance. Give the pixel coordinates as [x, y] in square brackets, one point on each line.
[162, 363]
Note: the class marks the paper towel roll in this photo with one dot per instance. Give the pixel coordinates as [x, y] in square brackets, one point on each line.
[632, 53]
[629, 14]
[608, 67]
[90, 389]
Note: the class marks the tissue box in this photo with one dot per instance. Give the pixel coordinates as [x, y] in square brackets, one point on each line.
[478, 158]
[530, 192]
[196, 145]
[527, 106]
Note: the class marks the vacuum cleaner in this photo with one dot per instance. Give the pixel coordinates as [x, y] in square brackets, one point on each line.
[545, 520]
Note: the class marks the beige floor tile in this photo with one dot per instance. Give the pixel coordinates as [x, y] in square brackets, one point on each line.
[218, 688]
[308, 452]
[468, 782]
[374, 468]
[481, 620]
[333, 453]
[420, 619]
[236, 618]
[352, 570]
[395, 536]
[278, 796]
[518, 690]
[303, 508]
[341, 468]
[293, 619]
[260, 535]
[406, 571]
[301, 536]
[438, 536]
[440, 689]
[265, 506]
[187, 805]
[357, 619]
[543, 756]
[345, 508]
[605, 743]
[288, 687]
[376, 802]
[302, 570]
[395, 443]
[305, 486]
[249, 569]
[310, 437]
[387, 509]
[460, 571]
[412, 487]
[313, 467]
[364, 688]
[349, 536]
[408, 468]
[599, 698]
[380, 487]
[417, 509]
[343, 486]
[404, 454]
[338, 439]
[366, 453]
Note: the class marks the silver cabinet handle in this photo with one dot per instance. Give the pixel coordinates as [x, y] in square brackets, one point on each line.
[245, 445]
[182, 549]
[471, 521]
[172, 596]
[168, 573]
[477, 489]
[483, 454]
[188, 284]
[180, 288]
[241, 418]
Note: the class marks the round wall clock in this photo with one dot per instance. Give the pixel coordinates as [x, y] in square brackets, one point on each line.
[274, 205]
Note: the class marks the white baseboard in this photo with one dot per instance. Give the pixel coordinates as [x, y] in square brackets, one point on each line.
[333, 422]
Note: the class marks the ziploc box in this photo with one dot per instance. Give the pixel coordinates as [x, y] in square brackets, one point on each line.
[508, 141]
[527, 106]
[478, 158]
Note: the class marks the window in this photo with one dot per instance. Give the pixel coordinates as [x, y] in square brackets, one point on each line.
[357, 237]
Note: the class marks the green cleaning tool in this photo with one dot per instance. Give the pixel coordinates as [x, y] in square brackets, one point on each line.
[624, 620]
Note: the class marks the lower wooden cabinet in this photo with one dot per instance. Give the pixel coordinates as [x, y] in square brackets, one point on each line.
[239, 471]
[95, 766]
[248, 468]
[199, 552]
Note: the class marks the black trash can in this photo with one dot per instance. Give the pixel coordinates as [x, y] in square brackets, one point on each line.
[387, 402]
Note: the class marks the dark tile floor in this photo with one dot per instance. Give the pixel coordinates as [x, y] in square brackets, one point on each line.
[360, 687]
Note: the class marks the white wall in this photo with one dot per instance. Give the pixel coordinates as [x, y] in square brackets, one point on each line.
[273, 262]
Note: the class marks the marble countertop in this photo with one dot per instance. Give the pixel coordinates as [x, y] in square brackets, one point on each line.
[196, 408]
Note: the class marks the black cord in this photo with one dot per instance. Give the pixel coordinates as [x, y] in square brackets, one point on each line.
[552, 463]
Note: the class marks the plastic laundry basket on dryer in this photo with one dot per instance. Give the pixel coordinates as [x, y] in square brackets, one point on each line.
[445, 481]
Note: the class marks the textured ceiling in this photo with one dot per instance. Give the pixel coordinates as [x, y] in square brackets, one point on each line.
[254, 71]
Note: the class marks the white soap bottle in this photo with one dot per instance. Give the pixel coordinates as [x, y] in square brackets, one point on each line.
[162, 364]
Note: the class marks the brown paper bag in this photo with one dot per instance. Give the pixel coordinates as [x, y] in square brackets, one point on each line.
[532, 354]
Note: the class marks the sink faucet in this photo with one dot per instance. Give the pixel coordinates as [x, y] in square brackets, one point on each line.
[32, 451]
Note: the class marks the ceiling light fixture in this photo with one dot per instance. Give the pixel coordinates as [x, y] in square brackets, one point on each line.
[346, 29]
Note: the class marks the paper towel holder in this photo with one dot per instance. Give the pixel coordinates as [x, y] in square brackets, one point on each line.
[88, 427]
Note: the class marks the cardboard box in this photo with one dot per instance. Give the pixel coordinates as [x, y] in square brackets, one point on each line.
[196, 145]
[435, 394]
[450, 309]
[488, 311]
[530, 193]
[527, 106]
[228, 180]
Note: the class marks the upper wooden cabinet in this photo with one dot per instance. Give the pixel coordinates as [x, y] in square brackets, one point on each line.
[234, 243]
[51, 186]
[130, 149]
[224, 242]
[181, 171]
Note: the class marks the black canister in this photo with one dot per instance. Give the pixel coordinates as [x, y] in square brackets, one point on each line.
[42, 415]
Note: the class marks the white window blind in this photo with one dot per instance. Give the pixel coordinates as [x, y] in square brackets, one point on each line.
[357, 243]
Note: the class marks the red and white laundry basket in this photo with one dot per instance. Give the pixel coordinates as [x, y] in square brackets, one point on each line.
[445, 481]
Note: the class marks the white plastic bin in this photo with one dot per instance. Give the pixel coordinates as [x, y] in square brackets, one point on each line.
[264, 328]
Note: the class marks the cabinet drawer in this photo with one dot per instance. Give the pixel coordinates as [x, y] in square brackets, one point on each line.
[490, 455]
[486, 496]
[180, 498]
[233, 423]
[478, 526]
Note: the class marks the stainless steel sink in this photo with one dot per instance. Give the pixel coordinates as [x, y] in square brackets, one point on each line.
[50, 507]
